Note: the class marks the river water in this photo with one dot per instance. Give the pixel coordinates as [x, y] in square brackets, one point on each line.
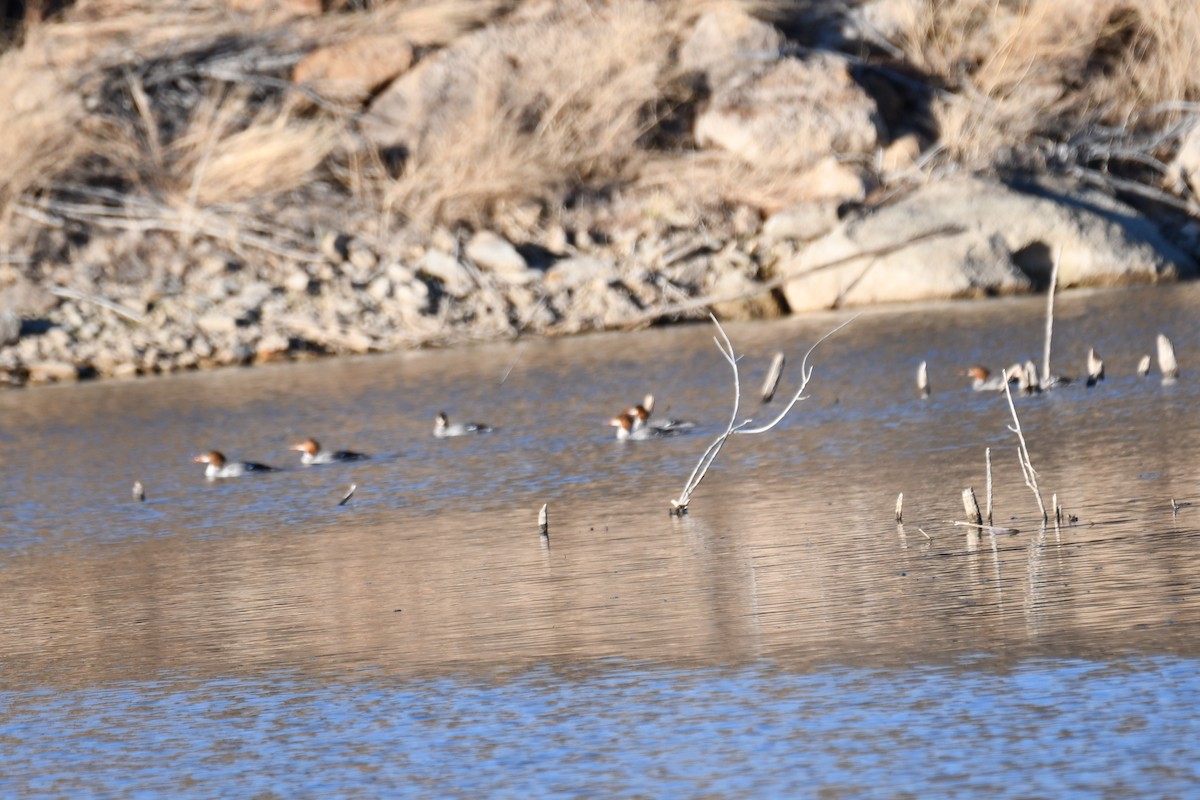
[787, 638]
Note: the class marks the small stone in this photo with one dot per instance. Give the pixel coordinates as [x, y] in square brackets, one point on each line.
[298, 281]
[52, 372]
[10, 327]
[494, 253]
[271, 347]
[335, 246]
[803, 222]
[217, 322]
[455, 277]
[570, 273]
[361, 256]
[380, 289]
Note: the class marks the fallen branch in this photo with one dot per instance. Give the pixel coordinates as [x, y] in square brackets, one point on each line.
[679, 506]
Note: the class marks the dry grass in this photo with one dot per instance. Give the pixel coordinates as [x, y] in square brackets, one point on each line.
[551, 101]
[538, 125]
[1019, 69]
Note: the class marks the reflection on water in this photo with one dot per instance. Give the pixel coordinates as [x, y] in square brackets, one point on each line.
[267, 639]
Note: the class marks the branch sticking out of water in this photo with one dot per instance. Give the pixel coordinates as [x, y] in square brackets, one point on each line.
[1023, 452]
[679, 506]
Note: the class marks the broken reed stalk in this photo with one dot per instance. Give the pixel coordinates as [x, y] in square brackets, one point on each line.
[988, 528]
[544, 522]
[1166, 359]
[1050, 313]
[1023, 452]
[900, 507]
[987, 459]
[773, 376]
[679, 506]
[923, 380]
[349, 493]
[971, 506]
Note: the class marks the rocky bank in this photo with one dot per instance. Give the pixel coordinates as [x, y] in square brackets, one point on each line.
[836, 192]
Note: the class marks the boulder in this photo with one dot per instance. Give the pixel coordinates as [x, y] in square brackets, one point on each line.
[456, 279]
[803, 221]
[494, 254]
[997, 239]
[352, 70]
[726, 42]
[793, 113]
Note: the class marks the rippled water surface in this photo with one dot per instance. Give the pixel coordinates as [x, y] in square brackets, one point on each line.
[787, 638]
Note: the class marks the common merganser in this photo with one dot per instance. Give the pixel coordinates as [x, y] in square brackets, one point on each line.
[311, 453]
[640, 415]
[442, 428]
[1095, 367]
[982, 379]
[218, 467]
[628, 428]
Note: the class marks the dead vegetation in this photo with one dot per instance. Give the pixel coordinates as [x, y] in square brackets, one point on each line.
[175, 110]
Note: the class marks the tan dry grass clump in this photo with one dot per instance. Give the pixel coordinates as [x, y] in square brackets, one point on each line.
[1020, 69]
[553, 104]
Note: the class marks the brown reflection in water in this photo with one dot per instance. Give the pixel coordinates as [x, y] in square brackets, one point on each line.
[419, 596]
[789, 555]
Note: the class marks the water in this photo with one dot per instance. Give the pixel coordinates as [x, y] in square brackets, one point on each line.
[787, 638]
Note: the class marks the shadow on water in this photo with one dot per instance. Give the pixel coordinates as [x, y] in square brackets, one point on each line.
[423, 630]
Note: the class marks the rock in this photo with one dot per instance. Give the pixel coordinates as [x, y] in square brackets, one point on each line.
[271, 347]
[27, 299]
[298, 281]
[335, 246]
[1184, 169]
[456, 278]
[277, 9]
[52, 372]
[1005, 243]
[380, 289]
[727, 42]
[353, 69]
[360, 256]
[793, 114]
[902, 153]
[571, 273]
[495, 254]
[748, 299]
[832, 179]
[218, 322]
[802, 221]
[10, 327]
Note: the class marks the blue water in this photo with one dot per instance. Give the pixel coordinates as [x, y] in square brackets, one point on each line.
[1037, 728]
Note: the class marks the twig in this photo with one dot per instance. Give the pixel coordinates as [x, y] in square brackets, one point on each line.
[1023, 452]
[989, 528]
[987, 460]
[349, 493]
[679, 506]
[71, 294]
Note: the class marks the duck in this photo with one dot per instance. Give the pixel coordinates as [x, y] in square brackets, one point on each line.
[311, 453]
[982, 379]
[640, 415]
[220, 467]
[628, 428]
[442, 429]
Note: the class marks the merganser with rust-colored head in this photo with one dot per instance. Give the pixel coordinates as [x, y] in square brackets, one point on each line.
[442, 429]
[311, 453]
[629, 428]
[220, 467]
[640, 415]
[982, 379]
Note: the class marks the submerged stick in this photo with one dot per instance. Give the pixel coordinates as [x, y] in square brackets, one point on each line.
[1050, 312]
[988, 528]
[987, 460]
[971, 506]
[1166, 359]
[1023, 453]
[773, 376]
